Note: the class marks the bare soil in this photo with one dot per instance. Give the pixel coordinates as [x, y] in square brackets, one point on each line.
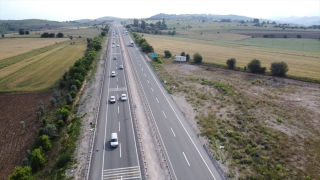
[14, 142]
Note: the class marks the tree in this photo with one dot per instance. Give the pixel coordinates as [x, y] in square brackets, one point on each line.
[69, 98]
[64, 112]
[78, 83]
[60, 35]
[135, 22]
[128, 26]
[21, 31]
[2, 35]
[103, 33]
[71, 37]
[45, 34]
[73, 94]
[50, 130]
[255, 66]
[52, 101]
[145, 47]
[27, 32]
[74, 88]
[183, 54]
[37, 159]
[197, 58]
[285, 36]
[187, 57]
[299, 36]
[22, 126]
[143, 25]
[279, 68]
[21, 173]
[167, 53]
[231, 63]
[45, 142]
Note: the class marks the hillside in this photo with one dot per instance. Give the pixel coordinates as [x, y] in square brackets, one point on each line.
[205, 17]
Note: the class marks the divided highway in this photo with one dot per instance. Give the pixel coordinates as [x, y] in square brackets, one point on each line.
[184, 152]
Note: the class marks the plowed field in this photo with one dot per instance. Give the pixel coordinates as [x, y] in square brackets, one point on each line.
[14, 143]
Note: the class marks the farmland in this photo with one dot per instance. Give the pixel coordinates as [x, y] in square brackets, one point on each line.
[301, 55]
[40, 70]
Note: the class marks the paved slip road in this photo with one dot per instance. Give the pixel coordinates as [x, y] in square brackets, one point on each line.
[185, 153]
[121, 162]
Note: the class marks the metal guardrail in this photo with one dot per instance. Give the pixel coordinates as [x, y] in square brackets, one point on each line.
[151, 122]
[215, 163]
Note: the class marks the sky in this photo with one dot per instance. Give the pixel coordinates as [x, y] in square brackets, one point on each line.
[66, 10]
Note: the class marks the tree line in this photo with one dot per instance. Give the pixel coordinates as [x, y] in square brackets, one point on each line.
[51, 129]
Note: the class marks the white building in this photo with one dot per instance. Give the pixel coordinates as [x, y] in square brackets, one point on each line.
[180, 58]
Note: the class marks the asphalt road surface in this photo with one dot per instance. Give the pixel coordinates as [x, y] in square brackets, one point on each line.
[121, 162]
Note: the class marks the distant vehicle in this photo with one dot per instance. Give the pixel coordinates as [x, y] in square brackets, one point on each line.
[118, 45]
[114, 58]
[112, 42]
[112, 46]
[180, 58]
[112, 99]
[121, 67]
[114, 140]
[131, 43]
[123, 97]
[113, 74]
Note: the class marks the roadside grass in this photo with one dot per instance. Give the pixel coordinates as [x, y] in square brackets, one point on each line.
[228, 117]
[44, 71]
[302, 63]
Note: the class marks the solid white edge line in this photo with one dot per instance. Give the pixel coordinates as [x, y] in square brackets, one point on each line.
[173, 132]
[134, 137]
[186, 158]
[178, 118]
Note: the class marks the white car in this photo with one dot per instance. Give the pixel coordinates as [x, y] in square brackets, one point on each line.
[114, 142]
[118, 45]
[121, 67]
[112, 99]
[113, 74]
[123, 97]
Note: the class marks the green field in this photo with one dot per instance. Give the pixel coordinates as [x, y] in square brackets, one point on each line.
[301, 55]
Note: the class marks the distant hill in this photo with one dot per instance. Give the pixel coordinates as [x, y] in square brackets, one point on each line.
[205, 17]
[306, 21]
[105, 18]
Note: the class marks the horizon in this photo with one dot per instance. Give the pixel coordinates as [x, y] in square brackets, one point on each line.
[76, 10]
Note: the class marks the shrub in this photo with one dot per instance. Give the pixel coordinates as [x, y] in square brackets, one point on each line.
[231, 63]
[183, 54]
[69, 99]
[197, 58]
[74, 88]
[187, 57]
[157, 59]
[63, 112]
[21, 173]
[45, 142]
[73, 94]
[279, 119]
[299, 36]
[279, 68]
[49, 130]
[60, 123]
[37, 159]
[167, 53]
[255, 66]
[78, 83]
[103, 33]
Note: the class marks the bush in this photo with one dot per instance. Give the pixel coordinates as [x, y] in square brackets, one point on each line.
[37, 159]
[231, 63]
[157, 59]
[49, 130]
[60, 123]
[74, 88]
[63, 112]
[78, 83]
[103, 33]
[197, 58]
[73, 94]
[299, 36]
[187, 57]
[183, 54]
[167, 53]
[21, 173]
[45, 142]
[279, 68]
[255, 66]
